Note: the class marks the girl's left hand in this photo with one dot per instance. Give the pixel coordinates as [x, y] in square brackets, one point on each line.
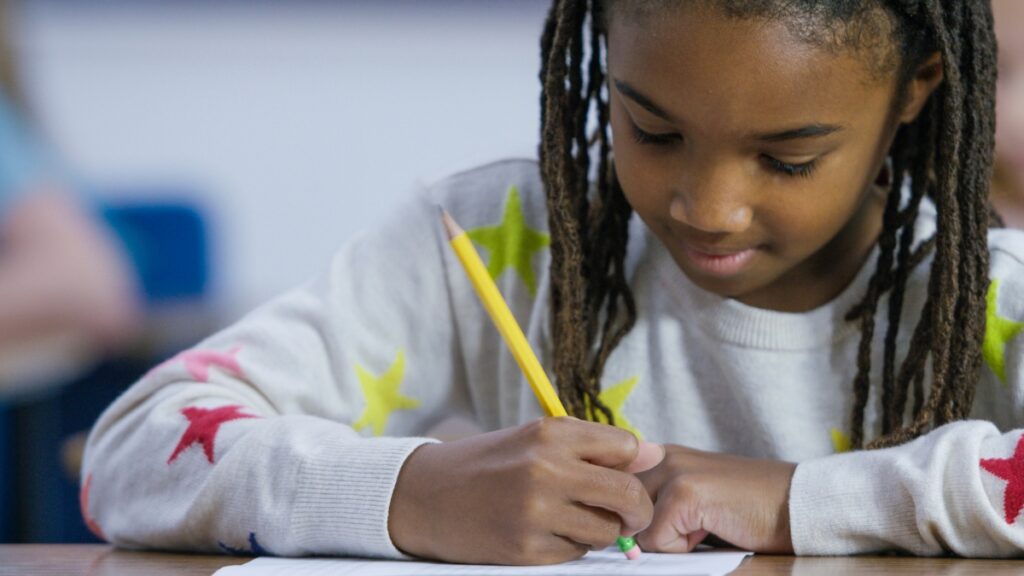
[743, 501]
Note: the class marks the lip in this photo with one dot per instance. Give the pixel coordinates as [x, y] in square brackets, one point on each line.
[719, 262]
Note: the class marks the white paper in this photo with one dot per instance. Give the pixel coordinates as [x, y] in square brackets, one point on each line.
[610, 561]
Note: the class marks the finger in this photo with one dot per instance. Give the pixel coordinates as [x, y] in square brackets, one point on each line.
[593, 527]
[673, 528]
[547, 549]
[615, 491]
[648, 456]
[600, 444]
[566, 549]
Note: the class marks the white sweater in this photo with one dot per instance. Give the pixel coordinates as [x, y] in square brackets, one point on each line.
[284, 434]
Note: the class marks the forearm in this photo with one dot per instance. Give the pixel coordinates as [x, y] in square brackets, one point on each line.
[192, 466]
[930, 496]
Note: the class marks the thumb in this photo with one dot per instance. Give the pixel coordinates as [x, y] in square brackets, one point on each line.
[648, 456]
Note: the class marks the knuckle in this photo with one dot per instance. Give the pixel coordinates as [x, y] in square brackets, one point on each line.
[633, 490]
[539, 471]
[546, 429]
[629, 443]
[679, 490]
[533, 512]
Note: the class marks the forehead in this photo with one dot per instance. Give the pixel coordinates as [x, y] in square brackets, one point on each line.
[740, 73]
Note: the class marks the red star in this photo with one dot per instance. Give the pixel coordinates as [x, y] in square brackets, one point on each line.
[203, 426]
[83, 503]
[1012, 470]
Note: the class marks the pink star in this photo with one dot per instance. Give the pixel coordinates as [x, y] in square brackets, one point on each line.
[1012, 470]
[203, 425]
[83, 503]
[198, 362]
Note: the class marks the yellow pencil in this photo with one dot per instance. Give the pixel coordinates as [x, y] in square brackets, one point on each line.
[502, 317]
[513, 334]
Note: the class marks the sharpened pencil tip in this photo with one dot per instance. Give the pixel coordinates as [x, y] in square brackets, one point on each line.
[450, 226]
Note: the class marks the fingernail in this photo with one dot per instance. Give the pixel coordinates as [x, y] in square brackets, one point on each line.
[649, 455]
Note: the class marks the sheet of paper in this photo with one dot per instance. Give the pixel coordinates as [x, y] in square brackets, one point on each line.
[611, 561]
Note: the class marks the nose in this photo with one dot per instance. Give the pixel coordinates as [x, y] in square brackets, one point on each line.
[713, 205]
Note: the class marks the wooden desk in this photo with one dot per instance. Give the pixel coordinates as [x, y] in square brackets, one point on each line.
[99, 560]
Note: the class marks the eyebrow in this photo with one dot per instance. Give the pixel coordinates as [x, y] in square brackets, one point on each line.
[642, 100]
[809, 131]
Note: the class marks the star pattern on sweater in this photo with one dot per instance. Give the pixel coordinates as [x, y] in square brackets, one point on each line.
[199, 362]
[511, 243]
[615, 398]
[203, 425]
[382, 395]
[1012, 470]
[83, 503]
[840, 441]
[255, 549]
[998, 333]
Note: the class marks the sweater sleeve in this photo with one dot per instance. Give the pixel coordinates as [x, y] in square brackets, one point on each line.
[285, 433]
[958, 489]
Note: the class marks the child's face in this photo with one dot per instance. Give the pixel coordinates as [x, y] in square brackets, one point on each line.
[759, 179]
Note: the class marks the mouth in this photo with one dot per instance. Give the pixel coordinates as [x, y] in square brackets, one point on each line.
[722, 263]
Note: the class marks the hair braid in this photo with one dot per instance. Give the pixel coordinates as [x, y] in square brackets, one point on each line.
[956, 176]
[589, 292]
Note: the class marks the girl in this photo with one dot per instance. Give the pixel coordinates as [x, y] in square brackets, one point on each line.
[787, 257]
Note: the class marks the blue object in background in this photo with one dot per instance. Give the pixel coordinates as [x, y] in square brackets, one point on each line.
[168, 245]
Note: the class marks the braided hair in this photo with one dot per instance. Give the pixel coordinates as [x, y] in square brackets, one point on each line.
[945, 155]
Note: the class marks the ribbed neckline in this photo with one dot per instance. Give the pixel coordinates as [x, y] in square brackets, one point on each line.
[733, 322]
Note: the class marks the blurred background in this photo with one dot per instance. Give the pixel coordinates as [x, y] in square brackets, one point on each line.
[220, 150]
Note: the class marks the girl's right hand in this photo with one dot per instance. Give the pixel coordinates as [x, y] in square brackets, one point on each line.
[541, 493]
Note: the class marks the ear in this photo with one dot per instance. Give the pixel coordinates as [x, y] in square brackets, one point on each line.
[926, 79]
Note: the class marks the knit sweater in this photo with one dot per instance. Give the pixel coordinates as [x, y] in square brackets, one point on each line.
[285, 433]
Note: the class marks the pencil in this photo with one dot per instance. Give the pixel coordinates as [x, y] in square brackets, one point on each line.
[513, 335]
[502, 317]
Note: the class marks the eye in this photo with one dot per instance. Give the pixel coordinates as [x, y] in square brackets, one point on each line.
[804, 170]
[643, 137]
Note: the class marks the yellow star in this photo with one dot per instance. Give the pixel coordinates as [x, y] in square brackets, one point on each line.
[382, 396]
[512, 243]
[614, 398]
[840, 441]
[998, 333]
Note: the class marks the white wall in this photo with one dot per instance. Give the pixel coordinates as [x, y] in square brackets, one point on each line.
[299, 122]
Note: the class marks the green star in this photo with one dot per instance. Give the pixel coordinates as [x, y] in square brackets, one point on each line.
[382, 396]
[998, 333]
[614, 398]
[512, 243]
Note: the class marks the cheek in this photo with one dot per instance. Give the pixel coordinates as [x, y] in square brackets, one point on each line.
[640, 175]
[809, 218]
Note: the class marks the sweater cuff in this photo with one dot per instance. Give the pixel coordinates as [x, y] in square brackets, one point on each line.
[344, 495]
[848, 504]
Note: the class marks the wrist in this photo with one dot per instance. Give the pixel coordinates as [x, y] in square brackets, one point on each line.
[785, 541]
[409, 512]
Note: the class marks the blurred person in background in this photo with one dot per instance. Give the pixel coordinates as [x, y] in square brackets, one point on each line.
[64, 278]
[1008, 186]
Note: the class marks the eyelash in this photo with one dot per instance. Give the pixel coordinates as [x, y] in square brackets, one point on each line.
[642, 137]
[804, 170]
